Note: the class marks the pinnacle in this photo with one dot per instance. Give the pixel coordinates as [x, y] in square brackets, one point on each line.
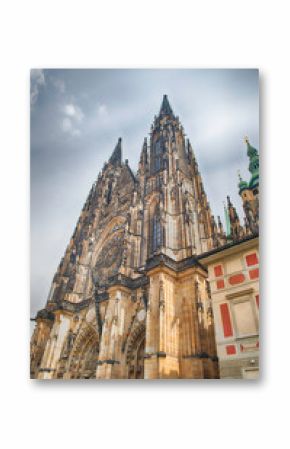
[116, 157]
[229, 201]
[165, 107]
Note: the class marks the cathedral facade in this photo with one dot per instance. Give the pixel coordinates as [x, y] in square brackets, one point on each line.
[133, 296]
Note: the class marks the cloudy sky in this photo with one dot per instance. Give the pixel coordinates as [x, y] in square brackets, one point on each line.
[77, 117]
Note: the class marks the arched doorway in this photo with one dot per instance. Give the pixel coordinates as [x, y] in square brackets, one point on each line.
[83, 359]
[135, 354]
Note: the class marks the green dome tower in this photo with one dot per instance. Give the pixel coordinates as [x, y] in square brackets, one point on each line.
[254, 164]
[249, 191]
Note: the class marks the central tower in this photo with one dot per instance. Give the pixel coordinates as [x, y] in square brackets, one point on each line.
[177, 216]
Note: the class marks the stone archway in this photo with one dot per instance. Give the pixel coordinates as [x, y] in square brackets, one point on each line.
[84, 354]
[135, 353]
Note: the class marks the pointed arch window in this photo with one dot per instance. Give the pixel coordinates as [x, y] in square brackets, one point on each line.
[157, 163]
[156, 232]
[109, 192]
[158, 156]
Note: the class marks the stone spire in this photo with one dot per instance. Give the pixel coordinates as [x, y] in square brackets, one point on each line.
[235, 227]
[165, 107]
[144, 154]
[116, 158]
[169, 176]
[221, 233]
[227, 220]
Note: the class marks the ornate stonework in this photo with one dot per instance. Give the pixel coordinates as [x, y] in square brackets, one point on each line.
[130, 298]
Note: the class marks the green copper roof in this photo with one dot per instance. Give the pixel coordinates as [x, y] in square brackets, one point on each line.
[242, 184]
[254, 164]
[254, 182]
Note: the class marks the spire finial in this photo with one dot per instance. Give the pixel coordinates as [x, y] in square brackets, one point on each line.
[229, 203]
[165, 107]
[116, 158]
[254, 163]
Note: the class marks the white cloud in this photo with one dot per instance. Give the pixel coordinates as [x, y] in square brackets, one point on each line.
[72, 110]
[37, 80]
[73, 117]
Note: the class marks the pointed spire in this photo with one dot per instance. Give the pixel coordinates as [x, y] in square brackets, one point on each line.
[237, 231]
[227, 220]
[250, 149]
[116, 158]
[143, 157]
[220, 226]
[165, 107]
[254, 163]
[213, 224]
[144, 153]
[231, 210]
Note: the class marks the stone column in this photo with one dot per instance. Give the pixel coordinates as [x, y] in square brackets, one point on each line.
[162, 333]
[152, 330]
[111, 363]
[38, 343]
[54, 345]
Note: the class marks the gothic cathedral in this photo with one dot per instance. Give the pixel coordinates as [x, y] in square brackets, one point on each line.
[134, 295]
